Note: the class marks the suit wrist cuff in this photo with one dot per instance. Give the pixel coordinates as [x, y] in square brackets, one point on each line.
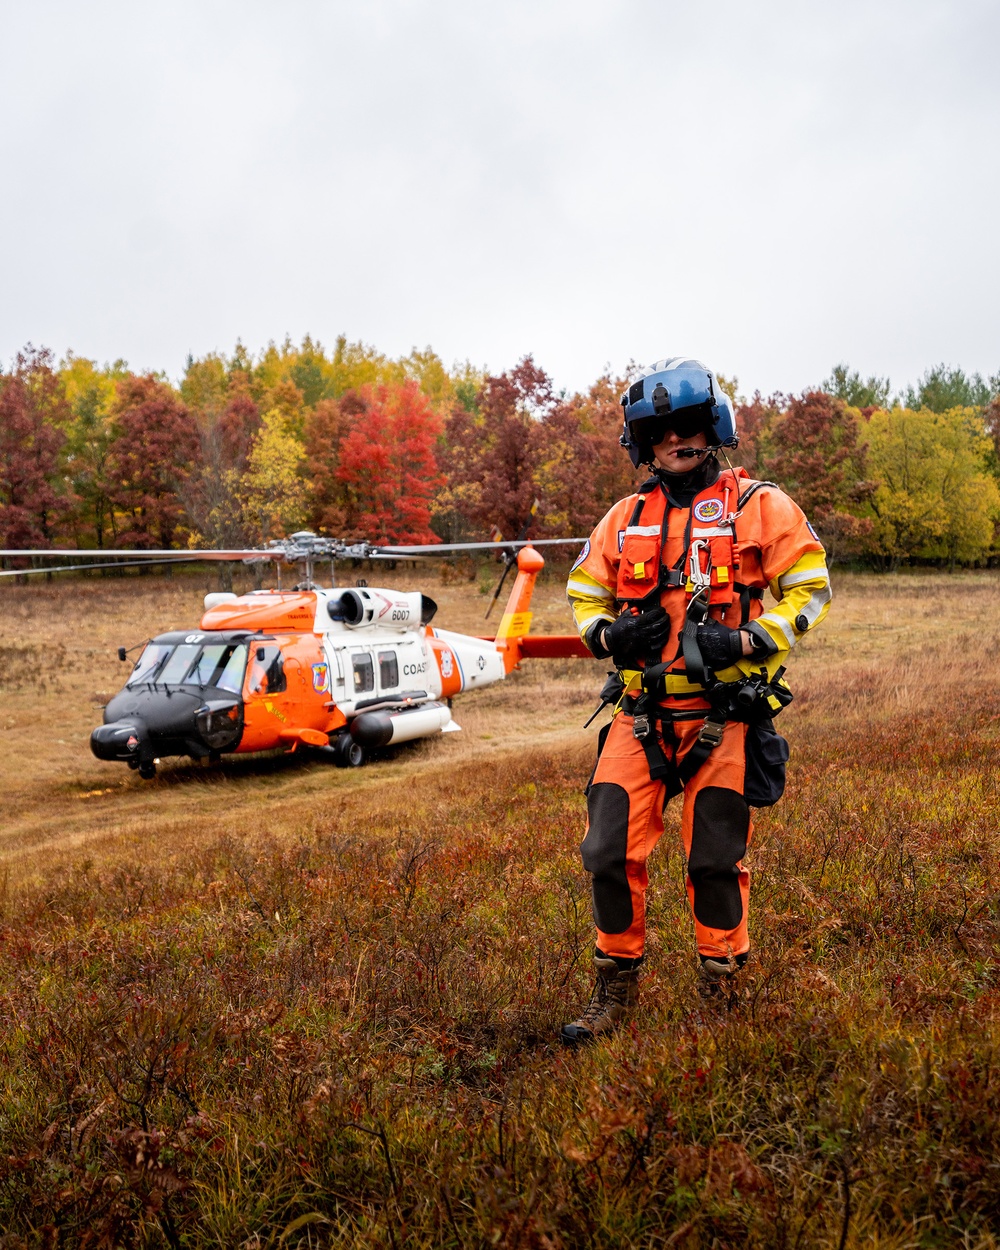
[592, 639]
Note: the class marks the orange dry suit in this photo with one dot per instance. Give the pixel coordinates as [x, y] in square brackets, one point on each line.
[710, 556]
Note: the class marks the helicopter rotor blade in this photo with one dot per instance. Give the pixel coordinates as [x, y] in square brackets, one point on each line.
[80, 568]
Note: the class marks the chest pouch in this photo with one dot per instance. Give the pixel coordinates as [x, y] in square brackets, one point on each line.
[639, 570]
[723, 570]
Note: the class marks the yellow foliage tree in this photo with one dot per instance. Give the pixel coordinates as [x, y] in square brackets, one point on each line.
[934, 497]
[273, 488]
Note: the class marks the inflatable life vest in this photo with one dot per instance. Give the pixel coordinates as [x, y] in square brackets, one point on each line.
[686, 549]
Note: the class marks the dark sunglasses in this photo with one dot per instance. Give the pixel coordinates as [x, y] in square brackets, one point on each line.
[653, 430]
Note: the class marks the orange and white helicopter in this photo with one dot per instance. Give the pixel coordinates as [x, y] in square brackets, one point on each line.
[338, 671]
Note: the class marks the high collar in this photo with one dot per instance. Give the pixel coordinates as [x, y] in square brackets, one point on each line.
[681, 488]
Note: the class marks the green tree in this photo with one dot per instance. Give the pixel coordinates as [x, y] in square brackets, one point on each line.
[91, 393]
[848, 385]
[943, 388]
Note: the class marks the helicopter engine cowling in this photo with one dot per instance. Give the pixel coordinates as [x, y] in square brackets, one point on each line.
[380, 609]
[380, 729]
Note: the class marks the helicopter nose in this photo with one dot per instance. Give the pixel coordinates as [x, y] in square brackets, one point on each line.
[120, 740]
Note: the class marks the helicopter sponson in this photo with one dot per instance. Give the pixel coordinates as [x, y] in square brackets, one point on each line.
[338, 671]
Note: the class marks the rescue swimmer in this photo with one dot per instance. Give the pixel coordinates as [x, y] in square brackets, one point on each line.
[670, 586]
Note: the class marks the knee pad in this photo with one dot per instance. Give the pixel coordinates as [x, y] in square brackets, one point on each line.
[603, 851]
[718, 843]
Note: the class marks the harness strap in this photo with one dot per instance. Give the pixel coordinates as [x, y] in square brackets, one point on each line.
[751, 490]
[746, 593]
[704, 745]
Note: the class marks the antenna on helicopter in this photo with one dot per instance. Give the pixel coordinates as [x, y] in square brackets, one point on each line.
[509, 554]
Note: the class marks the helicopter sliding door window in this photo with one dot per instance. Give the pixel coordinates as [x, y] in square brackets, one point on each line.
[364, 674]
[388, 670]
[267, 674]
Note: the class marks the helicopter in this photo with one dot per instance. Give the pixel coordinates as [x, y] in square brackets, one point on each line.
[340, 672]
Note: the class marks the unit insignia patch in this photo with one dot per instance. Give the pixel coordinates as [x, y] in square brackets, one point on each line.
[708, 510]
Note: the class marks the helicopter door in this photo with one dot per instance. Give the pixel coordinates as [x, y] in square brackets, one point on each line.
[363, 671]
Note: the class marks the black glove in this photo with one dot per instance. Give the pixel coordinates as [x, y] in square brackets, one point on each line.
[632, 638]
[719, 645]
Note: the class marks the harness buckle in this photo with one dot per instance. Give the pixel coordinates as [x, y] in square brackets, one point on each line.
[711, 733]
[641, 727]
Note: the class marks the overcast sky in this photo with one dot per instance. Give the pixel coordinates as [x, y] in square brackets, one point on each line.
[772, 187]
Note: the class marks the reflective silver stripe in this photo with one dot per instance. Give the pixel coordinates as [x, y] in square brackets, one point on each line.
[786, 630]
[804, 575]
[645, 530]
[590, 590]
[584, 625]
[817, 602]
[711, 531]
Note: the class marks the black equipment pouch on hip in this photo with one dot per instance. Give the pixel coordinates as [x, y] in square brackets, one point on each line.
[766, 757]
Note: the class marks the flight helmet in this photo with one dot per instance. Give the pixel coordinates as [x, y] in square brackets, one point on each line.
[675, 394]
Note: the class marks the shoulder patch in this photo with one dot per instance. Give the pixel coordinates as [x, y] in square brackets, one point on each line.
[582, 556]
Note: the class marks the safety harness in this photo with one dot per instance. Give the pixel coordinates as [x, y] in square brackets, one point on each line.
[705, 571]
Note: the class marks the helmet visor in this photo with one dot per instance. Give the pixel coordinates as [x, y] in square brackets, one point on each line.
[685, 424]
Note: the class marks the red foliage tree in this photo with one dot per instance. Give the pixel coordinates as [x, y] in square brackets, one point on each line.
[328, 423]
[582, 468]
[753, 423]
[814, 453]
[493, 452]
[387, 466]
[149, 460]
[238, 422]
[32, 409]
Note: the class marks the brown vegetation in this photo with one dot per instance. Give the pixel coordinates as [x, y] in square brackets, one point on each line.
[272, 1003]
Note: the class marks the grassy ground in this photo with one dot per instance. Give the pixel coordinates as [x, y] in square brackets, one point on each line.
[277, 1004]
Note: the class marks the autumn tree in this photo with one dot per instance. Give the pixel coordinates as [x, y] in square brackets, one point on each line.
[581, 468]
[326, 426]
[150, 458]
[273, 488]
[388, 468]
[492, 450]
[934, 497]
[33, 414]
[754, 422]
[91, 394]
[815, 453]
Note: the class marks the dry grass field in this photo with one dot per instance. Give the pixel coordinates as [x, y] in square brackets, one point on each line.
[272, 1003]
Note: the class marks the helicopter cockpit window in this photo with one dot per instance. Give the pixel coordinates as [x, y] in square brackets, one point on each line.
[364, 674]
[388, 670]
[220, 664]
[148, 663]
[231, 676]
[176, 668]
[267, 673]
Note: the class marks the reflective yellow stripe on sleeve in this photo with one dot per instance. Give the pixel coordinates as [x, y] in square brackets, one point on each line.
[589, 600]
[803, 594]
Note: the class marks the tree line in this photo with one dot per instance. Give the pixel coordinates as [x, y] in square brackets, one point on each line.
[358, 445]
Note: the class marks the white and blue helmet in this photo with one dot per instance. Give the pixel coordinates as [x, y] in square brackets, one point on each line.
[679, 394]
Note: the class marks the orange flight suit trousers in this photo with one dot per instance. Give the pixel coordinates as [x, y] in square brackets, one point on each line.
[625, 821]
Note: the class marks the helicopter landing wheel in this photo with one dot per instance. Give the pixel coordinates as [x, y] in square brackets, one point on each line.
[350, 752]
[147, 771]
